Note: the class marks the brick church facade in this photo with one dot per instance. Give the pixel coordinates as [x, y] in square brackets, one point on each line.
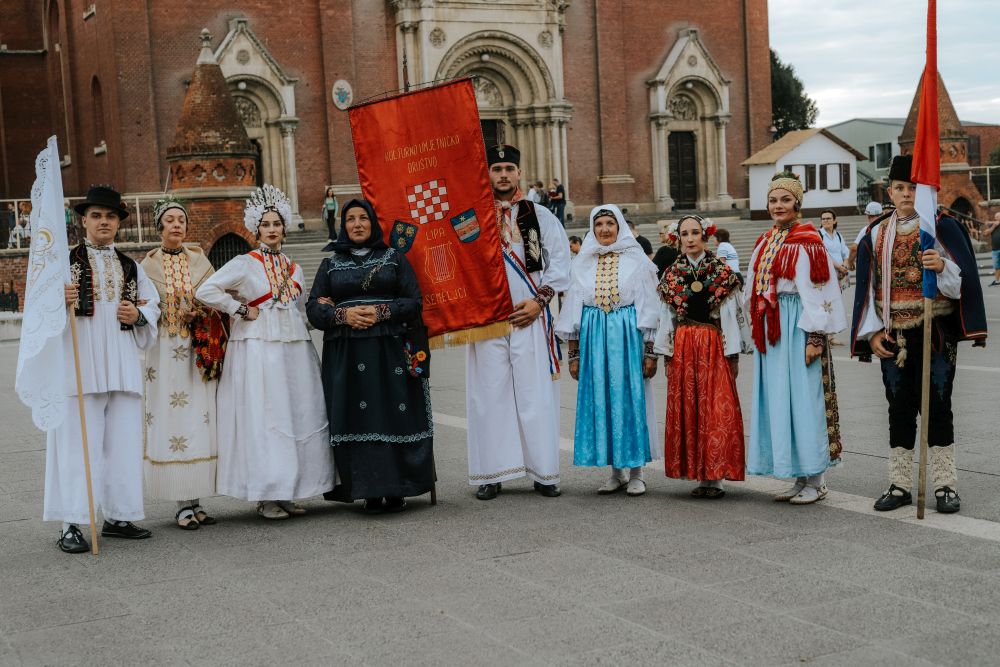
[652, 105]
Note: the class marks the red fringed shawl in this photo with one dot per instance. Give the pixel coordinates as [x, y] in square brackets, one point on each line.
[210, 334]
[764, 307]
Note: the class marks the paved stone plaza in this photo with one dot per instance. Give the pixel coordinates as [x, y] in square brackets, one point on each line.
[582, 579]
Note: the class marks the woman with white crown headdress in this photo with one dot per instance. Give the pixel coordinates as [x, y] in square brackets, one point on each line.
[273, 437]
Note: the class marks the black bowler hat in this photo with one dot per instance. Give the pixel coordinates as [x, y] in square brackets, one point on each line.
[103, 195]
[901, 168]
[503, 153]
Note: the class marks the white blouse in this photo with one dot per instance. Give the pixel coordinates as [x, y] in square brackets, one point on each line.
[109, 357]
[822, 304]
[243, 280]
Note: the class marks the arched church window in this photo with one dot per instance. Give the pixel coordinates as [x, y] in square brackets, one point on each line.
[97, 99]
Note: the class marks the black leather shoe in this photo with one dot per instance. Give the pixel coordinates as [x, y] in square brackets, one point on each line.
[373, 505]
[73, 542]
[889, 500]
[488, 491]
[124, 529]
[393, 505]
[548, 490]
[948, 501]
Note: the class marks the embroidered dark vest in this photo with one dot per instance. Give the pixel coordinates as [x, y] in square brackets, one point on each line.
[79, 266]
[697, 305]
[906, 283]
[531, 235]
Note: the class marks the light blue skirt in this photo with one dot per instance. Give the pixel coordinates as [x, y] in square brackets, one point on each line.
[788, 436]
[611, 424]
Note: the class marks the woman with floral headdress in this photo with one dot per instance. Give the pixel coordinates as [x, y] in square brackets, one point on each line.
[273, 439]
[375, 366]
[609, 318]
[795, 305]
[700, 333]
[179, 445]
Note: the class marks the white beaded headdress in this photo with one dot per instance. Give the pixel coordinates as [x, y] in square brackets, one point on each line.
[267, 198]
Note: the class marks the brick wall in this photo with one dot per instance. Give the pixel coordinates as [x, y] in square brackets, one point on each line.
[627, 43]
[143, 51]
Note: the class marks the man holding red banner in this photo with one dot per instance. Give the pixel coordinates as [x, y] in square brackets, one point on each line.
[512, 388]
[888, 319]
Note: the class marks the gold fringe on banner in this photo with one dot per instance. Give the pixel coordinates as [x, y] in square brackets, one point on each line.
[473, 335]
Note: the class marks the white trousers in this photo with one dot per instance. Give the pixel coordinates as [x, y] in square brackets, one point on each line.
[512, 405]
[114, 438]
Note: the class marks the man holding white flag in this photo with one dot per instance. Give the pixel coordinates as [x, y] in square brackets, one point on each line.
[117, 309]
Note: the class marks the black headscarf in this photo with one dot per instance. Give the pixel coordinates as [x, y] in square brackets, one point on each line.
[344, 242]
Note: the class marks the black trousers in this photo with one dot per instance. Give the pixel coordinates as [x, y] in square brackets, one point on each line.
[903, 385]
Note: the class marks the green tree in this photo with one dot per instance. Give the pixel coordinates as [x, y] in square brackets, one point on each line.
[994, 159]
[791, 108]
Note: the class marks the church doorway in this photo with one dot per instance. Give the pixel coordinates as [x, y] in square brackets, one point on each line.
[683, 170]
[227, 247]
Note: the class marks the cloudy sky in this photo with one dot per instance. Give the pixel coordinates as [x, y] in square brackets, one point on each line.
[861, 58]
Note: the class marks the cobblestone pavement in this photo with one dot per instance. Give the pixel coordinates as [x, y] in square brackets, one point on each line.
[582, 579]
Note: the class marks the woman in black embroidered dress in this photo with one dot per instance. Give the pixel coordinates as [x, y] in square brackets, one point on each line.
[375, 365]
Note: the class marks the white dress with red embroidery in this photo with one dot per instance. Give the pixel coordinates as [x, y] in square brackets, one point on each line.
[273, 436]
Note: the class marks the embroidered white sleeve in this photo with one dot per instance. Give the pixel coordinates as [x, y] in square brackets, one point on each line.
[663, 343]
[822, 304]
[214, 292]
[145, 336]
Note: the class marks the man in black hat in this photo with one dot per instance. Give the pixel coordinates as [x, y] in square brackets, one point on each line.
[888, 321]
[117, 308]
[512, 388]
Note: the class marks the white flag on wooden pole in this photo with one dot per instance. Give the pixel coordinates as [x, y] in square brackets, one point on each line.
[41, 362]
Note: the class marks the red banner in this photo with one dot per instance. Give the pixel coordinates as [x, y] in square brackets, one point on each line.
[422, 165]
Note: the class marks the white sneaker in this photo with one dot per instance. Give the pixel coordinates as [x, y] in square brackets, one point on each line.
[613, 485]
[808, 495]
[636, 486]
[271, 510]
[792, 492]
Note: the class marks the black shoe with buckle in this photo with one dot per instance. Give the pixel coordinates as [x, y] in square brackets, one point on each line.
[73, 542]
[488, 491]
[893, 499]
[548, 490]
[124, 529]
[948, 501]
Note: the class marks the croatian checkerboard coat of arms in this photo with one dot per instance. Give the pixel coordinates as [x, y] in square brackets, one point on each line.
[428, 201]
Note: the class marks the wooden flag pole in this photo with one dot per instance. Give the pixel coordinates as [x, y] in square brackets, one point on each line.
[925, 405]
[94, 549]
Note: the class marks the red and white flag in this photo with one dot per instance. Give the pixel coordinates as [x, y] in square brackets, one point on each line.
[926, 150]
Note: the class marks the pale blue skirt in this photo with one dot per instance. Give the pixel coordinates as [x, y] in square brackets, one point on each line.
[788, 436]
[611, 427]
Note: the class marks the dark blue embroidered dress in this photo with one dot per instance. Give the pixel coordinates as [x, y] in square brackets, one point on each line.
[380, 413]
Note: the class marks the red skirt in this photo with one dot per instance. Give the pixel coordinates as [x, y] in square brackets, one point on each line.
[704, 438]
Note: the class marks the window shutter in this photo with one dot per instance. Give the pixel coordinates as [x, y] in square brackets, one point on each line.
[810, 177]
[822, 177]
[845, 176]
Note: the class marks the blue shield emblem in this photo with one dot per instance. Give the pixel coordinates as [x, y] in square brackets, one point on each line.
[466, 226]
[403, 235]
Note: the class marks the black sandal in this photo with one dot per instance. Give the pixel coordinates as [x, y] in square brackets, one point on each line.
[713, 493]
[202, 516]
[699, 491]
[188, 521]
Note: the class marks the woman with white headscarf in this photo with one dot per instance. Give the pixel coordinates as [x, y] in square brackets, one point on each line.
[609, 319]
[273, 437]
